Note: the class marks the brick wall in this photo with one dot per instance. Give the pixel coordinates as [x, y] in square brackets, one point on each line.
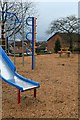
[51, 43]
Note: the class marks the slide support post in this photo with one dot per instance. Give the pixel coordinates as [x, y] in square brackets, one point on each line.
[35, 92]
[18, 96]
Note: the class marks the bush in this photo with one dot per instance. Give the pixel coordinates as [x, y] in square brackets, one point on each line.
[20, 54]
[76, 49]
[57, 46]
[40, 50]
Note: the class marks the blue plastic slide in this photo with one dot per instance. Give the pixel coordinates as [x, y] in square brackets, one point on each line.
[8, 74]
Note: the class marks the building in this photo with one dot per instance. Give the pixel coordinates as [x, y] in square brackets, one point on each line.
[64, 41]
[18, 46]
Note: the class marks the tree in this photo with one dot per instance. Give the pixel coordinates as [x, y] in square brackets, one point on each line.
[57, 45]
[67, 24]
[22, 10]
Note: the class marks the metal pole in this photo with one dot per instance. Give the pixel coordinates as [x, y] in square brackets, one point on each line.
[6, 38]
[18, 96]
[22, 35]
[33, 39]
[35, 92]
[33, 57]
[14, 42]
[35, 35]
[6, 33]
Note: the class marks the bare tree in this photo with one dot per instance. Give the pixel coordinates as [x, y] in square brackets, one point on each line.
[9, 20]
[67, 24]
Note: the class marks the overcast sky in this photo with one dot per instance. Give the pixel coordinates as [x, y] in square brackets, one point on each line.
[49, 11]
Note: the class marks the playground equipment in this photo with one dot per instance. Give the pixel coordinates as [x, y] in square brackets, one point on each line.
[8, 74]
[64, 50]
[33, 33]
[33, 25]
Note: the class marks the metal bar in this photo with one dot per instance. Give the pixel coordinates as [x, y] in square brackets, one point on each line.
[35, 92]
[27, 21]
[9, 13]
[28, 34]
[33, 58]
[22, 35]
[35, 35]
[6, 39]
[18, 96]
[14, 45]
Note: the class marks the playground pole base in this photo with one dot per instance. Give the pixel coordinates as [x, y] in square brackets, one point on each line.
[18, 96]
[35, 92]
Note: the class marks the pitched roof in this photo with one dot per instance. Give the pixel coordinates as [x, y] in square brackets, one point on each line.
[65, 36]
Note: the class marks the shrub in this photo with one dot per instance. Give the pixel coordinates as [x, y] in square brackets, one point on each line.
[57, 45]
